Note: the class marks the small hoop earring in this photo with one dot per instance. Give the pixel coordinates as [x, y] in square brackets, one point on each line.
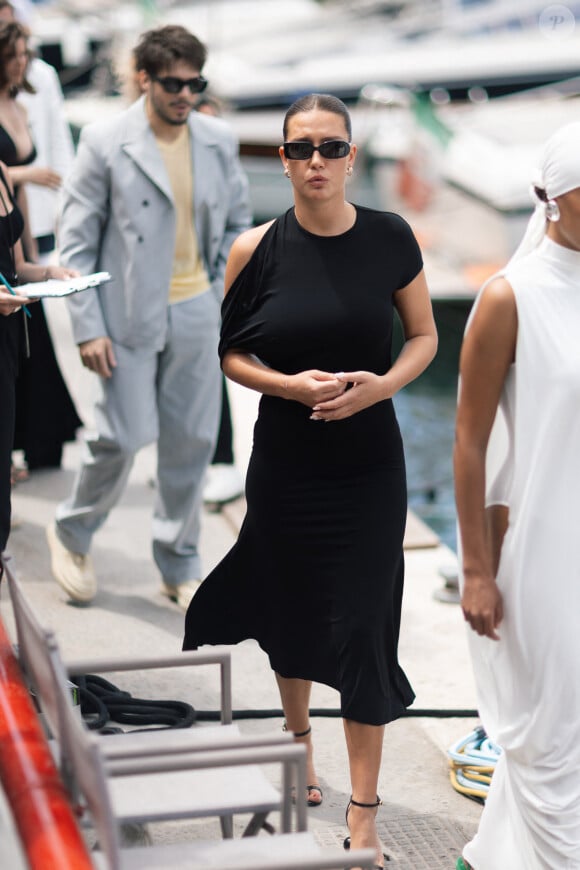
[287, 172]
[552, 211]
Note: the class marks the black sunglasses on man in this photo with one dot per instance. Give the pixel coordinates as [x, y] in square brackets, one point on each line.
[174, 85]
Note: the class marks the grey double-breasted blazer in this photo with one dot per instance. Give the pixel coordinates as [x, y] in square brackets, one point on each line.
[118, 216]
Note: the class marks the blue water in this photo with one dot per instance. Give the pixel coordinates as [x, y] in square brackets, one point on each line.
[426, 411]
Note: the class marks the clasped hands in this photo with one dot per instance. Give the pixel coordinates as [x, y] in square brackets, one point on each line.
[335, 396]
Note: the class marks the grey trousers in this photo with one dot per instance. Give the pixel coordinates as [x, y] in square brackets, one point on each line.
[172, 397]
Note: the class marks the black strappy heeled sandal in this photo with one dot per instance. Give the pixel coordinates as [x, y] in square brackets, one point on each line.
[309, 788]
[374, 805]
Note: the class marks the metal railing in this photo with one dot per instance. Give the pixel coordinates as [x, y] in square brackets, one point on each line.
[44, 818]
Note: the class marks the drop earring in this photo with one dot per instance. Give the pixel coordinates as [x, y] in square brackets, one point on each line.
[552, 210]
[349, 170]
[287, 172]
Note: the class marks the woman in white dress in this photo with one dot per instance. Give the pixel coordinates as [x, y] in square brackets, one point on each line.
[519, 519]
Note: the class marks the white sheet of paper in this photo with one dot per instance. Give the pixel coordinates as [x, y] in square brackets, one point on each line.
[54, 288]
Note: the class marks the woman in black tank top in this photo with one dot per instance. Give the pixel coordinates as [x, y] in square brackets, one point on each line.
[45, 414]
[14, 269]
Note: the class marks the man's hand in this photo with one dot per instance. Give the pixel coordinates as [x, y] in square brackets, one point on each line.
[97, 355]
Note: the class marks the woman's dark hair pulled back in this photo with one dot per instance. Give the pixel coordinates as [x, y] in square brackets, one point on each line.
[324, 102]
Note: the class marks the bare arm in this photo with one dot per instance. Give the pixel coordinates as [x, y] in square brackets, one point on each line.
[28, 273]
[487, 353]
[32, 272]
[41, 175]
[28, 242]
[413, 304]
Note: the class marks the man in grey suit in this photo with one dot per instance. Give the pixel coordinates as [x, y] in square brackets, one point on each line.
[156, 197]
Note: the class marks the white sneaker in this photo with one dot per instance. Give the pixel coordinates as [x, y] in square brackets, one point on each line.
[181, 593]
[72, 571]
[224, 483]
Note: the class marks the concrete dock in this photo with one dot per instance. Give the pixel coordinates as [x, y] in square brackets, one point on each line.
[424, 822]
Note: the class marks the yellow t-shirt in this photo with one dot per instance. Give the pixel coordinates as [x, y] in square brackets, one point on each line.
[189, 276]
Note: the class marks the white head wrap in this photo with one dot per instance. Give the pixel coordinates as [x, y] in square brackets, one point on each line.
[558, 173]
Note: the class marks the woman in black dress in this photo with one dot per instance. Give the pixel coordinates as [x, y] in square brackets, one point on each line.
[316, 575]
[13, 268]
[46, 417]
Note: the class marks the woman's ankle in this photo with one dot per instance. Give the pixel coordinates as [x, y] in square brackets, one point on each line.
[299, 734]
[361, 822]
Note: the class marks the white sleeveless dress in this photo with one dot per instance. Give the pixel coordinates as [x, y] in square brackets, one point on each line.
[529, 682]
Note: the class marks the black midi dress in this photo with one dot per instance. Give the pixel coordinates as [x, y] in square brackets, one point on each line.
[316, 576]
[46, 416]
[11, 227]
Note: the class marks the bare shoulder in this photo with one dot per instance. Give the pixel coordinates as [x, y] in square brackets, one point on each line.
[247, 242]
[495, 304]
[494, 322]
[242, 250]
[498, 294]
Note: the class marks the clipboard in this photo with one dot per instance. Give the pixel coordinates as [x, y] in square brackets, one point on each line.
[53, 288]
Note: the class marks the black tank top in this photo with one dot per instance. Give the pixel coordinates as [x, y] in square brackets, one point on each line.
[11, 227]
[8, 153]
